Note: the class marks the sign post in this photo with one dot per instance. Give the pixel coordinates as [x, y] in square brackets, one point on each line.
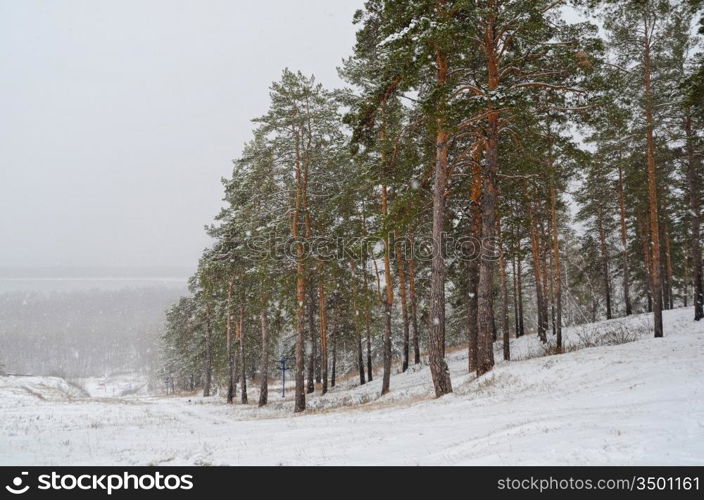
[282, 366]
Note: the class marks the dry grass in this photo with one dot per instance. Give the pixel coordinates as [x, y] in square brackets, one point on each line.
[33, 393]
[372, 405]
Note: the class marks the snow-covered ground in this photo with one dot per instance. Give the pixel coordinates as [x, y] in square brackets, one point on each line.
[121, 384]
[640, 402]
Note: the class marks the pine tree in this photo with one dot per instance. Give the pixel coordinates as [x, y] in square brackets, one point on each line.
[644, 19]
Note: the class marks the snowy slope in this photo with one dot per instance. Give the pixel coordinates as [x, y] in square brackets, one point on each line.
[17, 390]
[121, 384]
[634, 403]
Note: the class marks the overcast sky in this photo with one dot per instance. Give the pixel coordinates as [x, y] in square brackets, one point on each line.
[118, 118]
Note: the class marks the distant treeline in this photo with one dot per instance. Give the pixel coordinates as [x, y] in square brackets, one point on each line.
[81, 333]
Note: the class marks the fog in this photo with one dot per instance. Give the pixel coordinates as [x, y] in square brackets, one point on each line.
[83, 333]
[120, 117]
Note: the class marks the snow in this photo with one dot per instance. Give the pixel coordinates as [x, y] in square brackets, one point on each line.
[124, 384]
[24, 391]
[624, 403]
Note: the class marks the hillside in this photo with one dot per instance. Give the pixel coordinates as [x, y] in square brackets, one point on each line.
[639, 402]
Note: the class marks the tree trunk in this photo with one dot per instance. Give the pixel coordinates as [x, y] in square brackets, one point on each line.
[472, 325]
[370, 375]
[264, 363]
[503, 288]
[401, 267]
[312, 339]
[308, 234]
[652, 188]
[367, 313]
[537, 271]
[360, 357]
[300, 394]
[686, 281]
[693, 189]
[388, 299]
[231, 384]
[545, 268]
[551, 282]
[515, 295]
[557, 269]
[208, 354]
[519, 282]
[333, 334]
[485, 311]
[624, 242]
[323, 337]
[605, 267]
[242, 364]
[644, 237]
[436, 341]
[475, 233]
[300, 331]
[318, 363]
[504, 309]
[414, 310]
[669, 302]
[357, 330]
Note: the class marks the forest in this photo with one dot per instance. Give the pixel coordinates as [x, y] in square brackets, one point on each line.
[82, 333]
[491, 169]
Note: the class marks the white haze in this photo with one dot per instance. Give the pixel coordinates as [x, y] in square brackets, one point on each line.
[120, 117]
